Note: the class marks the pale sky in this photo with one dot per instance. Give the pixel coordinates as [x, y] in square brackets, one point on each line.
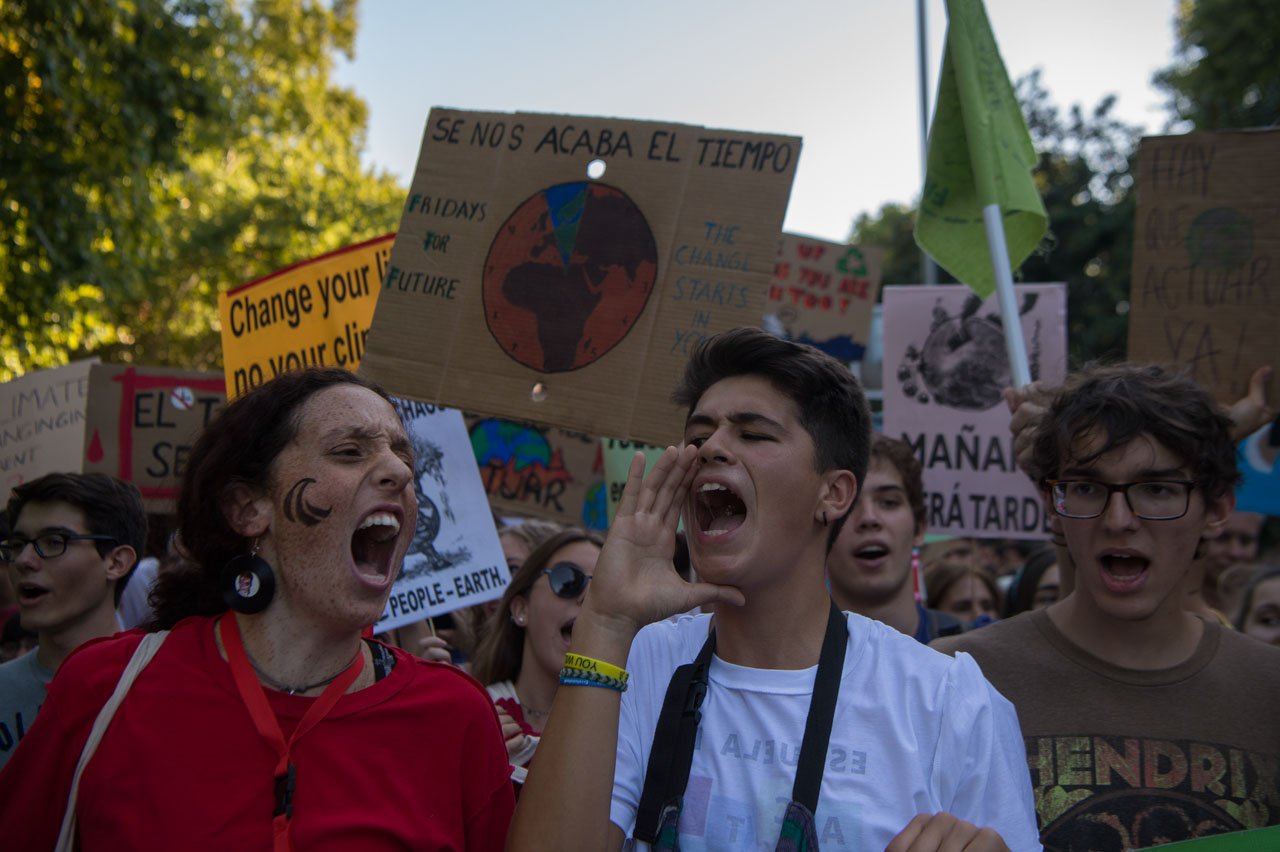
[842, 75]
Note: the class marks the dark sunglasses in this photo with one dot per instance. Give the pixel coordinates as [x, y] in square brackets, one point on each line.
[567, 580]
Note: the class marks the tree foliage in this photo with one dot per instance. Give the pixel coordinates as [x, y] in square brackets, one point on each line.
[162, 152]
[1084, 177]
[1227, 71]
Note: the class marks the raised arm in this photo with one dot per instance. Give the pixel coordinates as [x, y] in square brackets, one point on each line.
[564, 804]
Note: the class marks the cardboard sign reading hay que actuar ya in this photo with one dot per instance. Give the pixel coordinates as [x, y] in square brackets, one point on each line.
[42, 423]
[524, 284]
[314, 313]
[141, 422]
[1205, 290]
[823, 294]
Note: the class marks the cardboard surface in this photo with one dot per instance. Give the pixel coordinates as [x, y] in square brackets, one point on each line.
[314, 313]
[140, 423]
[512, 268]
[1205, 290]
[456, 559]
[823, 293]
[42, 423]
[539, 471]
[945, 371]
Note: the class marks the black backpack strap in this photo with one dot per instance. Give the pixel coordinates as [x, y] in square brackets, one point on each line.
[667, 773]
[822, 712]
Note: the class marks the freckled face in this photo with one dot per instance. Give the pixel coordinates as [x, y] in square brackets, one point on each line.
[342, 509]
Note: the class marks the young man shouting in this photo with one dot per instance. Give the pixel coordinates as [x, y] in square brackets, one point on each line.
[1144, 724]
[73, 541]
[778, 722]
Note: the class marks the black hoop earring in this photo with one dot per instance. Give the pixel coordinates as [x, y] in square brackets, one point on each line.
[248, 583]
[824, 519]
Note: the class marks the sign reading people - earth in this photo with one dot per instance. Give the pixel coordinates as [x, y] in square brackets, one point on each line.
[559, 269]
[141, 422]
[1205, 290]
[945, 372]
[823, 294]
[42, 423]
[456, 559]
[314, 313]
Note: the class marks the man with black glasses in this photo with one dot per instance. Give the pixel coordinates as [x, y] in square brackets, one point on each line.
[1144, 724]
[73, 541]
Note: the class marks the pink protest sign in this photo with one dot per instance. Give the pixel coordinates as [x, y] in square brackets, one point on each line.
[945, 371]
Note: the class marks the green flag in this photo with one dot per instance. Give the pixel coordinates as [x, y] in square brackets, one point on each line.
[979, 154]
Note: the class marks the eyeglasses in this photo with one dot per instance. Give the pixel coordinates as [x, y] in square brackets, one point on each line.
[47, 545]
[567, 580]
[1163, 500]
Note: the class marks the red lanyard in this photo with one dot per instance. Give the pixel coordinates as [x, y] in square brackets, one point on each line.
[269, 727]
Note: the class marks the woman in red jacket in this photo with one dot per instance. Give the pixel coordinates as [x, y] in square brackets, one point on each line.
[265, 721]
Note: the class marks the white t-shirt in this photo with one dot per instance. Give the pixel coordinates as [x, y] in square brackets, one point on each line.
[914, 732]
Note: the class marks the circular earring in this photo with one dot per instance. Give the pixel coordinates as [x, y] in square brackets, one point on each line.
[248, 584]
[518, 620]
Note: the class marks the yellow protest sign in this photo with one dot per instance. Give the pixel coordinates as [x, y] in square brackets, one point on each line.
[314, 313]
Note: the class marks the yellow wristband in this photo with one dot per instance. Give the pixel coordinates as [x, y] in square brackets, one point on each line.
[577, 661]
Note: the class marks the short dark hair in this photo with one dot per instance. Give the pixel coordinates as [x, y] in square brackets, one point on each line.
[1123, 401]
[110, 507]
[904, 461]
[238, 446]
[833, 408]
[500, 652]
[941, 576]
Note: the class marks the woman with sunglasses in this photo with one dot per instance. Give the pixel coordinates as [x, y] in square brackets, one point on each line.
[265, 721]
[528, 634]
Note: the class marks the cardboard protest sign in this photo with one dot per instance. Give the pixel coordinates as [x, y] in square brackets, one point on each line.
[617, 462]
[539, 471]
[823, 294]
[314, 313]
[558, 269]
[945, 371]
[140, 424]
[456, 559]
[42, 423]
[1205, 290]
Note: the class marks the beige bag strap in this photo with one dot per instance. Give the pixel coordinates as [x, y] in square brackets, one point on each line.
[146, 650]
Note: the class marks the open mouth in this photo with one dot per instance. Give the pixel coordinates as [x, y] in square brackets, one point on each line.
[373, 545]
[30, 593]
[871, 552]
[718, 509]
[1122, 568]
[566, 631]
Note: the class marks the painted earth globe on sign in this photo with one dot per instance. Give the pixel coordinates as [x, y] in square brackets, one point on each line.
[963, 363]
[568, 275]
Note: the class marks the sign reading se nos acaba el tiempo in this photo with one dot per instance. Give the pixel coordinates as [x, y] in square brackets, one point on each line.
[558, 269]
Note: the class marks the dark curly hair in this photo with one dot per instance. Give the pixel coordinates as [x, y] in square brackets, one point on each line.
[1121, 402]
[238, 446]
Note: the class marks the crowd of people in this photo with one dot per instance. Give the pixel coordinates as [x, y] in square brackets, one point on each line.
[768, 649]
